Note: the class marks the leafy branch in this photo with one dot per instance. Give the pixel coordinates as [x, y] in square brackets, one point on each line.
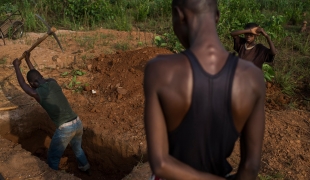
[268, 72]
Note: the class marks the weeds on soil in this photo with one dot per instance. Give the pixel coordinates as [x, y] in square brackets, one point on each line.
[3, 60]
[277, 176]
[74, 85]
[122, 46]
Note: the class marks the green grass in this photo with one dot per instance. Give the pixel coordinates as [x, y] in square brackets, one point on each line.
[122, 46]
[277, 176]
[87, 57]
[87, 42]
[3, 60]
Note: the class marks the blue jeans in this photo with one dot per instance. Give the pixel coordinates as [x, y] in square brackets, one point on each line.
[63, 135]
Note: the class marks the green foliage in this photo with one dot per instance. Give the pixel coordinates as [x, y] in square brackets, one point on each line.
[287, 82]
[266, 177]
[143, 10]
[268, 72]
[235, 14]
[122, 14]
[7, 7]
[115, 14]
[160, 42]
[160, 8]
[272, 177]
[170, 41]
[292, 10]
[74, 84]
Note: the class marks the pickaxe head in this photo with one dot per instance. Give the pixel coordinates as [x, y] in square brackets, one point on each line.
[50, 31]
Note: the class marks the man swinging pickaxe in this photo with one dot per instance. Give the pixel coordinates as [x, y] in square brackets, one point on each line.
[50, 31]
[49, 95]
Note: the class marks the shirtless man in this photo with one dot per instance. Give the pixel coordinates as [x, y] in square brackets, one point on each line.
[197, 103]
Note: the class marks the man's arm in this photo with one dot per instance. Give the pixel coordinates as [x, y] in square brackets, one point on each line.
[236, 33]
[271, 45]
[252, 135]
[30, 91]
[162, 164]
[27, 58]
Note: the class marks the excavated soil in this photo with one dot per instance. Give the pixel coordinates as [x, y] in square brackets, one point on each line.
[113, 139]
[109, 100]
[17, 163]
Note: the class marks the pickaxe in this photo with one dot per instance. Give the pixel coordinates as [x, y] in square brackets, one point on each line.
[50, 31]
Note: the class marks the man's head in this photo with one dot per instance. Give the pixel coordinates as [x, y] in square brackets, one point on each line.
[249, 36]
[199, 12]
[33, 77]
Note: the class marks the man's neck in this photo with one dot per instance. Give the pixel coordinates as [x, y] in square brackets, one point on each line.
[204, 38]
[250, 44]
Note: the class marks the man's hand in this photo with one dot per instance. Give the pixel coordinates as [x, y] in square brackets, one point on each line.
[27, 55]
[27, 58]
[255, 30]
[262, 31]
[17, 62]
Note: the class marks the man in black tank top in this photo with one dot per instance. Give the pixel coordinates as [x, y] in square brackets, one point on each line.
[198, 102]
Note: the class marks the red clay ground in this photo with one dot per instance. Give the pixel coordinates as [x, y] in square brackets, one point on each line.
[114, 138]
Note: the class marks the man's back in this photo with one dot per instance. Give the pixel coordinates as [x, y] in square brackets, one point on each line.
[168, 85]
[208, 122]
[173, 78]
[55, 103]
[170, 79]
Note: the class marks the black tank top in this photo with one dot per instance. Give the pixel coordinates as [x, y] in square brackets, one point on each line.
[207, 134]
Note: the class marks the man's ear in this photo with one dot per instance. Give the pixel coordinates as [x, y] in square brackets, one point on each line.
[178, 13]
[36, 84]
[217, 16]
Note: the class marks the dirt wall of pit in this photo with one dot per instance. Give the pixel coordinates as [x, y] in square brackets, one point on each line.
[24, 125]
[17, 163]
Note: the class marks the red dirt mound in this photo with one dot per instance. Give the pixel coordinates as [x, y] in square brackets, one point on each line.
[275, 99]
[111, 109]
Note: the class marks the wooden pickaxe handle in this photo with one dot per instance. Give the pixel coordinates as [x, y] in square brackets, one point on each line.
[53, 30]
[8, 108]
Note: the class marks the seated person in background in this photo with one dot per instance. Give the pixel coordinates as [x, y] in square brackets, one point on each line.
[248, 49]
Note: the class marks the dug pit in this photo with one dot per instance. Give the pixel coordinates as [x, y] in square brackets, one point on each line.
[113, 139]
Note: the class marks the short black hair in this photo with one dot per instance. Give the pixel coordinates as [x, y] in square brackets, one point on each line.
[197, 6]
[33, 75]
[250, 25]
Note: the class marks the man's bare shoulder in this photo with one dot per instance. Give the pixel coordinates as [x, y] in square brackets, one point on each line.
[164, 68]
[165, 59]
[165, 63]
[248, 75]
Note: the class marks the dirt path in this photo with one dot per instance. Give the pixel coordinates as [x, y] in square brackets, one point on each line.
[109, 100]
